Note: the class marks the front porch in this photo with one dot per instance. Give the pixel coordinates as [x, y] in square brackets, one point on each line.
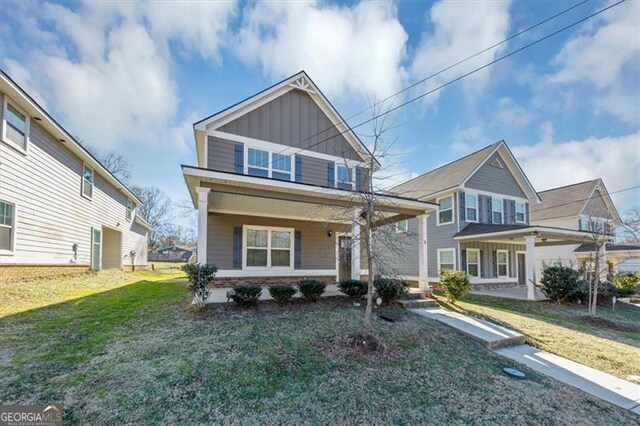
[513, 255]
[264, 231]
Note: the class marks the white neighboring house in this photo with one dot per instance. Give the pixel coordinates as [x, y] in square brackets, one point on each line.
[61, 211]
[584, 206]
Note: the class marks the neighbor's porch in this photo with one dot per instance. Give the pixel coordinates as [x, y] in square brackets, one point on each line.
[265, 231]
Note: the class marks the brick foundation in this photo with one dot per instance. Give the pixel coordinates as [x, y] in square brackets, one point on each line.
[263, 281]
[17, 272]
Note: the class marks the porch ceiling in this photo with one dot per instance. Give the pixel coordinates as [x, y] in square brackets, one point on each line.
[517, 234]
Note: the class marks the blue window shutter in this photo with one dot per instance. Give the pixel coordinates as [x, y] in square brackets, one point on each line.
[483, 270]
[359, 182]
[494, 259]
[462, 212]
[297, 250]
[237, 247]
[489, 210]
[526, 213]
[298, 168]
[239, 158]
[463, 260]
[331, 175]
[508, 219]
[513, 211]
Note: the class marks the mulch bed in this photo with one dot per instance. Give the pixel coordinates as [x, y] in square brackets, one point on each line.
[605, 323]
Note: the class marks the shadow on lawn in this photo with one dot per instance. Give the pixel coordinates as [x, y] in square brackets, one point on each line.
[566, 316]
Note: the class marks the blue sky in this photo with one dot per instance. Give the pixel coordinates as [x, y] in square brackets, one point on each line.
[134, 77]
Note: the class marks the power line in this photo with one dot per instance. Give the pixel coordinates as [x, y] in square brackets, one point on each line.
[442, 86]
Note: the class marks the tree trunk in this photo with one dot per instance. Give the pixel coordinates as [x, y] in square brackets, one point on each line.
[366, 328]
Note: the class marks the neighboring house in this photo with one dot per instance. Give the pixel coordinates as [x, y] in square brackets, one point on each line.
[584, 206]
[61, 211]
[276, 187]
[482, 226]
[171, 254]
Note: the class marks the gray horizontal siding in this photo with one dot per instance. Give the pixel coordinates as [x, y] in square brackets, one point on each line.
[220, 154]
[314, 170]
[494, 179]
[399, 252]
[439, 237]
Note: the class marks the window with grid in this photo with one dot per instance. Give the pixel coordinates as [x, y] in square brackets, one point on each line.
[15, 128]
[471, 208]
[268, 247]
[7, 212]
[445, 211]
[497, 210]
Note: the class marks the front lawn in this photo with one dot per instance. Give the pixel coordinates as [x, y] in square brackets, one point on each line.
[610, 343]
[135, 353]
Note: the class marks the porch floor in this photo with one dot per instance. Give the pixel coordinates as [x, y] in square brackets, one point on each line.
[219, 295]
[519, 293]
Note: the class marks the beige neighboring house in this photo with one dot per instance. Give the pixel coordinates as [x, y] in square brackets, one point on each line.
[584, 206]
[61, 211]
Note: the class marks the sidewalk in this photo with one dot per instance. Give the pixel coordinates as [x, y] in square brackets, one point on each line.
[510, 344]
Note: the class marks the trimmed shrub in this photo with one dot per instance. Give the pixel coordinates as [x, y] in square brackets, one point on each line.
[562, 284]
[353, 288]
[389, 289]
[455, 285]
[199, 277]
[311, 290]
[282, 293]
[627, 283]
[246, 295]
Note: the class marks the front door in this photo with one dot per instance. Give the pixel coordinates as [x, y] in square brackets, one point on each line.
[344, 257]
[522, 269]
[96, 249]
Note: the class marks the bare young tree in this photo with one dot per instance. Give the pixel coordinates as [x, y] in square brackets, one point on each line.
[155, 209]
[115, 163]
[631, 226]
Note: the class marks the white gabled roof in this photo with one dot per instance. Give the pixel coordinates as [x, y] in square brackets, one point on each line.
[298, 81]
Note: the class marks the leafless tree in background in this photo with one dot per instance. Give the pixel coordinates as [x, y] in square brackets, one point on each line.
[155, 209]
[631, 226]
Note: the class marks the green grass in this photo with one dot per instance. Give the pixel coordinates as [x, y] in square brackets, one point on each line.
[562, 330]
[133, 352]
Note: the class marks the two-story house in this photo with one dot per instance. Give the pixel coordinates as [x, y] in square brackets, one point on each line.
[584, 206]
[483, 223]
[277, 187]
[61, 211]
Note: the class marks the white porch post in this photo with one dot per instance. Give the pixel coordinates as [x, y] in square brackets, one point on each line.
[530, 266]
[423, 265]
[203, 213]
[355, 245]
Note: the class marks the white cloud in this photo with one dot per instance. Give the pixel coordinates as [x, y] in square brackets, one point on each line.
[616, 160]
[22, 76]
[511, 114]
[346, 50]
[460, 30]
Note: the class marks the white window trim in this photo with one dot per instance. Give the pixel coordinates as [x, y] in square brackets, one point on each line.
[400, 230]
[93, 181]
[14, 232]
[269, 167]
[27, 135]
[478, 263]
[268, 248]
[506, 252]
[129, 213]
[451, 249]
[353, 175]
[453, 211]
[496, 211]
[524, 212]
[475, 196]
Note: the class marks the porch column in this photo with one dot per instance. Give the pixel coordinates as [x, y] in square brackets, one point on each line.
[355, 245]
[423, 268]
[530, 266]
[203, 212]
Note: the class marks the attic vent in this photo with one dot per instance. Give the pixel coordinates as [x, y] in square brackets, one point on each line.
[496, 163]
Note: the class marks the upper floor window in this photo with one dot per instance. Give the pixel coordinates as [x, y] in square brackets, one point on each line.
[258, 163]
[129, 209]
[471, 208]
[520, 212]
[497, 210]
[15, 127]
[608, 228]
[281, 165]
[402, 226]
[445, 211]
[7, 226]
[265, 164]
[344, 177]
[87, 181]
[583, 224]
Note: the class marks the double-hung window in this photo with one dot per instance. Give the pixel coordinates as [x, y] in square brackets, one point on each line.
[473, 262]
[497, 210]
[15, 126]
[258, 164]
[268, 247]
[471, 207]
[445, 211]
[446, 260]
[129, 209]
[402, 226]
[7, 226]
[281, 166]
[344, 177]
[502, 263]
[520, 212]
[87, 181]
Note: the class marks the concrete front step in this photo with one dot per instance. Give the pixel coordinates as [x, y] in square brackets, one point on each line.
[416, 293]
[417, 303]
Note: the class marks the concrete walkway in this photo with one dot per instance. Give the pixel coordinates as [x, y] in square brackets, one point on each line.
[219, 295]
[510, 344]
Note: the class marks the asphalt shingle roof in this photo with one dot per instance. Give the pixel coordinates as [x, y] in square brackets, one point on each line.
[562, 202]
[582, 248]
[487, 228]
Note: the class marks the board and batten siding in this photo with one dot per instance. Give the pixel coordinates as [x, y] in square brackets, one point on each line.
[52, 215]
[495, 179]
[487, 250]
[293, 119]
